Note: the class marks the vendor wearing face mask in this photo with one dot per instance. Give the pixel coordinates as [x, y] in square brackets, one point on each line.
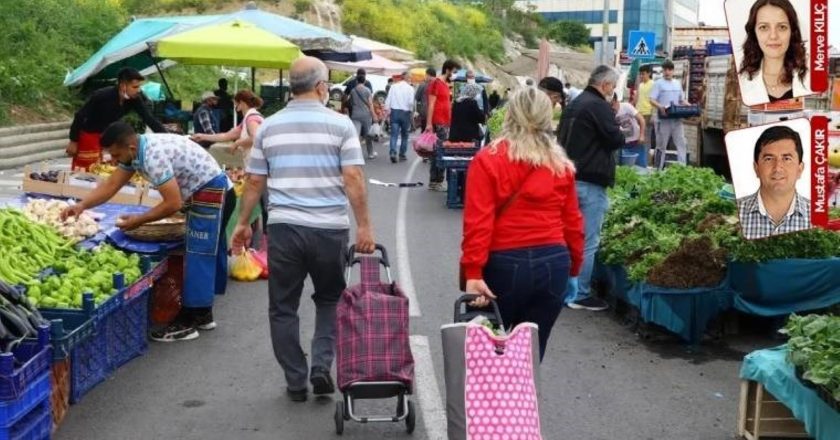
[185, 174]
[481, 99]
[105, 106]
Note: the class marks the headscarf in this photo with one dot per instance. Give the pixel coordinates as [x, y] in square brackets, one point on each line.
[469, 91]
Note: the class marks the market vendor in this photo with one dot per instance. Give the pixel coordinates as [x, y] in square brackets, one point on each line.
[105, 106]
[184, 174]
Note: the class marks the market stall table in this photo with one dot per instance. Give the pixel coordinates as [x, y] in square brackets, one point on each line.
[774, 373]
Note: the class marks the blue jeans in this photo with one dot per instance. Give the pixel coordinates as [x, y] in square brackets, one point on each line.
[593, 205]
[640, 149]
[530, 284]
[400, 124]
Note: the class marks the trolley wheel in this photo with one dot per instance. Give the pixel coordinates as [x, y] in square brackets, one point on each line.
[410, 418]
[339, 417]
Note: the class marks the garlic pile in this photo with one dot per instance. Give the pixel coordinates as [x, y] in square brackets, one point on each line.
[48, 212]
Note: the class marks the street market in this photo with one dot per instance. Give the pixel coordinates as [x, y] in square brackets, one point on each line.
[118, 263]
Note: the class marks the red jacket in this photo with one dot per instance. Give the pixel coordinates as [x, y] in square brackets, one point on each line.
[545, 212]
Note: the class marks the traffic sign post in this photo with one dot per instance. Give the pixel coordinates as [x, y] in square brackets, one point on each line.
[641, 44]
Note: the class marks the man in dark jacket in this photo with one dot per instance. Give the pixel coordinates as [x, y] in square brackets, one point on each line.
[589, 133]
[107, 105]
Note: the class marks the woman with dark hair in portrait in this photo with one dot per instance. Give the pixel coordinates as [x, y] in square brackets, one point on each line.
[775, 65]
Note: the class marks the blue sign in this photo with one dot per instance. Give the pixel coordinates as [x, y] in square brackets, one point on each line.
[641, 44]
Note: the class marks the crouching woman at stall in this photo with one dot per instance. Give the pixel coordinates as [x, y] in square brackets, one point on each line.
[523, 230]
[185, 175]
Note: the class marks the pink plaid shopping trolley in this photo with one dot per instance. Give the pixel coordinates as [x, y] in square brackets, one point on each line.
[373, 353]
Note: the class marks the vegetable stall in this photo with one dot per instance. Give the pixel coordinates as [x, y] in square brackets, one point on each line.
[77, 297]
[670, 247]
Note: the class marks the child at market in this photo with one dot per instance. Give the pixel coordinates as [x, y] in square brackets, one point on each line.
[632, 125]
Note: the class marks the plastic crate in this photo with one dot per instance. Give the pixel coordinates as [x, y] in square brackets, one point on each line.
[38, 391]
[714, 49]
[33, 356]
[456, 187]
[36, 425]
[89, 364]
[127, 329]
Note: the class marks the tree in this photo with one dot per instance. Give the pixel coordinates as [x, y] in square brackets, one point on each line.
[573, 33]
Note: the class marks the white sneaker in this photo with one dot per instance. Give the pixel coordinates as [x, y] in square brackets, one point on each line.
[441, 187]
[373, 155]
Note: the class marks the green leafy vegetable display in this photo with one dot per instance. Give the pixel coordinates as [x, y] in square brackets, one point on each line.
[494, 124]
[814, 347]
[82, 273]
[813, 243]
[652, 216]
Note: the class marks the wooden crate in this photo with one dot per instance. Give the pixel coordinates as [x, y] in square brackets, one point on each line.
[75, 187]
[762, 416]
[31, 186]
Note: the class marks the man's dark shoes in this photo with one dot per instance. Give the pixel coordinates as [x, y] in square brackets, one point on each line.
[321, 381]
[296, 395]
[590, 303]
[393, 158]
[403, 158]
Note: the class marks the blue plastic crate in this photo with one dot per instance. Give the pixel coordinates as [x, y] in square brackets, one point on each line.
[36, 425]
[35, 393]
[713, 49]
[127, 329]
[25, 364]
[89, 364]
[455, 188]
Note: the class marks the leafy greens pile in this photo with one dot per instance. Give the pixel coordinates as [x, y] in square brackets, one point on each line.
[652, 216]
[814, 347]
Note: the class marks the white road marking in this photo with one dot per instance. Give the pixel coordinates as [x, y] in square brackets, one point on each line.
[403, 264]
[13, 183]
[426, 389]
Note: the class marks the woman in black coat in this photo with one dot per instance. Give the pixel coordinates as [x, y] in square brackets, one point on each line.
[467, 117]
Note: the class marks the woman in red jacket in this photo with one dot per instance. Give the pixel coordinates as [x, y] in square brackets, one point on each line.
[523, 230]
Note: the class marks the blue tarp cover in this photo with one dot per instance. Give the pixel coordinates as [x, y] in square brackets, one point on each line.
[771, 369]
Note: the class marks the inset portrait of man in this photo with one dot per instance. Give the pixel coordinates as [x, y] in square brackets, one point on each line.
[776, 208]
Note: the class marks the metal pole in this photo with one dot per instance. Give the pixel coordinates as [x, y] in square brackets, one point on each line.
[669, 22]
[253, 83]
[160, 72]
[605, 32]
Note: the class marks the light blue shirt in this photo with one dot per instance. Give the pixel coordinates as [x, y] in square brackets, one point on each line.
[667, 92]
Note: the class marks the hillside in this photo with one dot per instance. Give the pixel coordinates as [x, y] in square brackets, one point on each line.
[48, 38]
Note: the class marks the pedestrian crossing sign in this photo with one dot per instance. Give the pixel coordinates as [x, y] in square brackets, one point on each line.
[641, 44]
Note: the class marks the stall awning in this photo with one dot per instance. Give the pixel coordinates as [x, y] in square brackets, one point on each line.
[376, 65]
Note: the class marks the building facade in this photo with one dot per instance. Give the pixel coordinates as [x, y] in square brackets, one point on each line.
[624, 16]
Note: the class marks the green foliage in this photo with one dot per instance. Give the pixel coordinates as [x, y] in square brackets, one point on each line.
[494, 124]
[572, 33]
[650, 216]
[189, 82]
[814, 243]
[814, 347]
[46, 38]
[302, 6]
[425, 27]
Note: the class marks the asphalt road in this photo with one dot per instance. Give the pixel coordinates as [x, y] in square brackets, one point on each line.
[598, 381]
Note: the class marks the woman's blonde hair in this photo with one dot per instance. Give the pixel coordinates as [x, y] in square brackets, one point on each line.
[527, 129]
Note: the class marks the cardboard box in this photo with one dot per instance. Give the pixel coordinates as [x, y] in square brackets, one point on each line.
[79, 185]
[31, 186]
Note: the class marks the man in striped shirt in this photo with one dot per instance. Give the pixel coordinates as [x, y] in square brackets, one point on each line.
[310, 160]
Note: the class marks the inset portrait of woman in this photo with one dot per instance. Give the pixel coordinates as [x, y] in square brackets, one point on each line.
[772, 60]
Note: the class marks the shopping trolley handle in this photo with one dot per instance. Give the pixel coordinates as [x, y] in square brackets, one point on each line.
[351, 258]
[469, 312]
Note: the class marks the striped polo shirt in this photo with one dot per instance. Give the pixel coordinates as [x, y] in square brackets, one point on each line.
[301, 150]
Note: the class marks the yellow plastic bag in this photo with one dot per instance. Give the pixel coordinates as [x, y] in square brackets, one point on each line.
[244, 267]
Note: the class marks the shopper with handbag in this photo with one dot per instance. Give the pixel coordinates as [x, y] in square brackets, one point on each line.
[523, 230]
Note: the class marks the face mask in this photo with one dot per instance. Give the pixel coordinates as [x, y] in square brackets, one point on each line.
[451, 77]
[125, 95]
[326, 99]
[471, 81]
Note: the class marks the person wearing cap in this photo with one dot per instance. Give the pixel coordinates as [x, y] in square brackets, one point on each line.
[400, 106]
[204, 118]
[667, 91]
[105, 106]
[243, 134]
